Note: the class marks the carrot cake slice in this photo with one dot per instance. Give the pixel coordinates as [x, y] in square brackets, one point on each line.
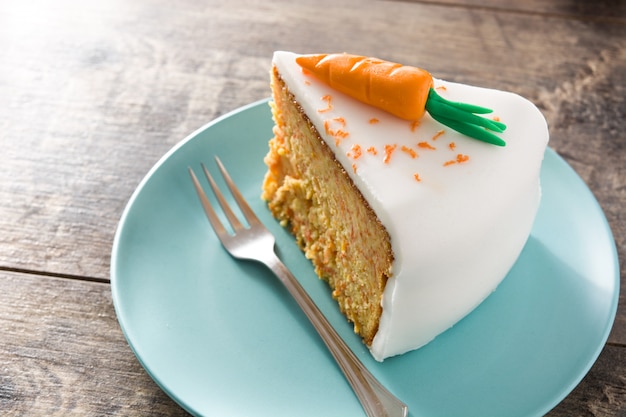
[409, 206]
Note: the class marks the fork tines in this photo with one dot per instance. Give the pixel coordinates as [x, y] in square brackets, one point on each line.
[230, 215]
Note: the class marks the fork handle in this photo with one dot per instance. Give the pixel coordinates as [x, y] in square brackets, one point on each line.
[376, 400]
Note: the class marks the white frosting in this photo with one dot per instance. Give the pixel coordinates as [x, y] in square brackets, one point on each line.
[455, 233]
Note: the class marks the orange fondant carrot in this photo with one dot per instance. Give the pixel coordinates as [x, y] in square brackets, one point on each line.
[398, 89]
[404, 91]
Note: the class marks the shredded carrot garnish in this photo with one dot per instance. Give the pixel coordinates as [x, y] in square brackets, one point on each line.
[328, 99]
[372, 150]
[441, 88]
[307, 82]
[327, 128]
[426, 145]
[339, 133]
[414, 125]
[374, 120]
[417, 177]
[355, 152]
[354, 168]
[452, 146]
[496, 118]
[436, 136]
[460, 158]
[388, 151]
[411, 152]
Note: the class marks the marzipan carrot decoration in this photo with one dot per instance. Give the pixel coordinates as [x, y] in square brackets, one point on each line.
[404, 91]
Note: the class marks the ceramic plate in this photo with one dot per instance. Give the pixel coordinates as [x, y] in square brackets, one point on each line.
[223, 338]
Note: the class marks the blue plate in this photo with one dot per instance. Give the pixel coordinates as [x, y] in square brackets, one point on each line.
[223, 338]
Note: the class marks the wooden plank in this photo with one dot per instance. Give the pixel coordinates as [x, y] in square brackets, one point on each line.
[95, 93]
[63, 353]
[602, 392]
[91, 100]
[604, 10]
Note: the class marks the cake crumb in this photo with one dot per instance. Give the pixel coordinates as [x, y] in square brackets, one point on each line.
[372, 150]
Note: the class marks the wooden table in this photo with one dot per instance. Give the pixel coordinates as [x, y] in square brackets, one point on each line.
[93, 93]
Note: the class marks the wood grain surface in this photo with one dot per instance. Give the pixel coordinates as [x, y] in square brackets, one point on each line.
[93, 93]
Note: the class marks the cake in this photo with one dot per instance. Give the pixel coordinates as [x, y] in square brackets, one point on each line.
[411, 222]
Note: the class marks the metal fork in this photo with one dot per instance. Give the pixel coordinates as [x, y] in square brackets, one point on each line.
[257, 243]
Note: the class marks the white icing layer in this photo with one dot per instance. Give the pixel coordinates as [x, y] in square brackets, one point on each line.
[457, 231]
